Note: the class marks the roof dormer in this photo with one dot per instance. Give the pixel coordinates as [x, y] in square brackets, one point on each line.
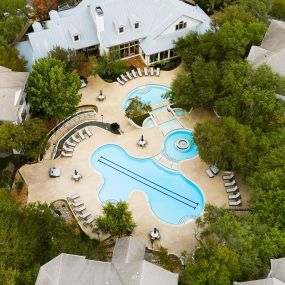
[135, 22]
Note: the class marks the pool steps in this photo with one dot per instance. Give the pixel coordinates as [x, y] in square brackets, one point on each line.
[166, 162]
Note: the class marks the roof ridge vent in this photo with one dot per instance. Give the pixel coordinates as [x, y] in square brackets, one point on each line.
[99, 11]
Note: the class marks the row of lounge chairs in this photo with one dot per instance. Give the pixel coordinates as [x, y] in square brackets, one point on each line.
[69, 145]
[80, 210]
[232, 188]
[135, 73]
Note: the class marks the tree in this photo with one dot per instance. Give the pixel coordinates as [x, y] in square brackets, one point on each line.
[278, 9]
[42, 7]
[52, 91]
[73, 59]
[117, 220]
[212, 264]
[10, 58]
[227, 144]
[210, 5]
[167, 261]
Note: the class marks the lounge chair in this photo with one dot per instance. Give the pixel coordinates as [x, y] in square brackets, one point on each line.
[75, 139]
[129, 75]
[88, 132]
[210, 173]
[80, 133]
[85, 215]
[80, 209]
[77, 204]
[134, 73]
[120, 81]
[157, 72]
[145, 71]
[139, 72]
[124, 78]
[234, 196]
[73, 196]
[151, 71]
[66, 154]
[232, 189]
[69, 143]
[228, 172]
[228, 177]
[89, 220]
[214, 169]
[68, 149]
[232, 183]
[235, 203]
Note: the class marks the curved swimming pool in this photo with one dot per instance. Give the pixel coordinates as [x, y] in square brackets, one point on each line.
[179, 145]
[150, 93]
[173, 198]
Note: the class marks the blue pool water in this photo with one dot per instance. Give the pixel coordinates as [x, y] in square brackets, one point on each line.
[171, 150]
[179, 112]
[151, 93]
[172, 197]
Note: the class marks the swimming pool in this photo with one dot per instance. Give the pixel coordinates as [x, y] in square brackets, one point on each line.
[151, 93]
[173, 198]
[179, 145]
[179, 112]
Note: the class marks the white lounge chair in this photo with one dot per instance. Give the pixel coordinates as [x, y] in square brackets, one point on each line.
[73, 196]
[234, 196]
[66, 154]
[235, 203]
[214, 169]
[89, 220]
[75, 139]
[77, 204]
[157, 72]
[151, 71]
[68, 149]
[139, 72]
[232, 183]
[88, 132]
[69, 143]
[134, 73]
[80, 209]
[124, 78]
[228, 172]
[80, 133]
[232, 189]
[120, 81]
[145, 71]
[129, 75]
[228, 177]
[85, 215]
[210, 173]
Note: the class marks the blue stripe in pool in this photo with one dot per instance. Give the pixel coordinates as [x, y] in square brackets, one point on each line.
[172, 197]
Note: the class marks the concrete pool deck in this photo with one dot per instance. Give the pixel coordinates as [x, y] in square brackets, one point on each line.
[42, 188]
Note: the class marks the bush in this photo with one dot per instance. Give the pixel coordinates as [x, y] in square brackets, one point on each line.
[169, 64]
[115, 127]
[19, 184]
[278, 9]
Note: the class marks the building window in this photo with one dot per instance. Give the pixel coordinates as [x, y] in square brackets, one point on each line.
[121, 30]
[181, 25]
[153, 57]
[128, 49]
[137, 25]
[172, 53]
[76, 38]
[163, 55]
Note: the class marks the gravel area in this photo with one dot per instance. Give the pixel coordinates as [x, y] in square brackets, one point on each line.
[60, 208]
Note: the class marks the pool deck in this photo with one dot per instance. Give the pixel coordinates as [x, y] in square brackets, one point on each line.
[42, 188]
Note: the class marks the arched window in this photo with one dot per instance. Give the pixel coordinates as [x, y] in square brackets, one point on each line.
[181, 25]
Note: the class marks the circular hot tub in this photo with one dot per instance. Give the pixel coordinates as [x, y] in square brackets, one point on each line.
[182, 144]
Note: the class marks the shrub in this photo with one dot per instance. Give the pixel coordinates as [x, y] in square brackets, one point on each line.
[115, 127]
[19, 184]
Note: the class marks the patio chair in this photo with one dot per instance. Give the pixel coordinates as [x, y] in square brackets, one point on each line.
[210, 173]
[69, 143]
[80, 133]
[145, 71]
[67, 149]
[139, 72]
[214, 169]
[151, 71]
[88, 132]
[235, 203]
[228, 172]
[228, 177]
[134, 73]
[85, 215]
[120, 81]
[129, 75]
[66, 154]
[75, 139]
[157, 72]
[124, 78]
[232, 189]
[80, 209]
[73, 196]
[77, 204]
[232, 183]
[89, 221]
[234, 196]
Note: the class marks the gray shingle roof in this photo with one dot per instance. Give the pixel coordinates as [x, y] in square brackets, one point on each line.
[127, 268]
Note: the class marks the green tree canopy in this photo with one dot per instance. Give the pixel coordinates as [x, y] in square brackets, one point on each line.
[137, 108]
[52, 90]
[117, 220]
[278, 9]
[10, 58]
